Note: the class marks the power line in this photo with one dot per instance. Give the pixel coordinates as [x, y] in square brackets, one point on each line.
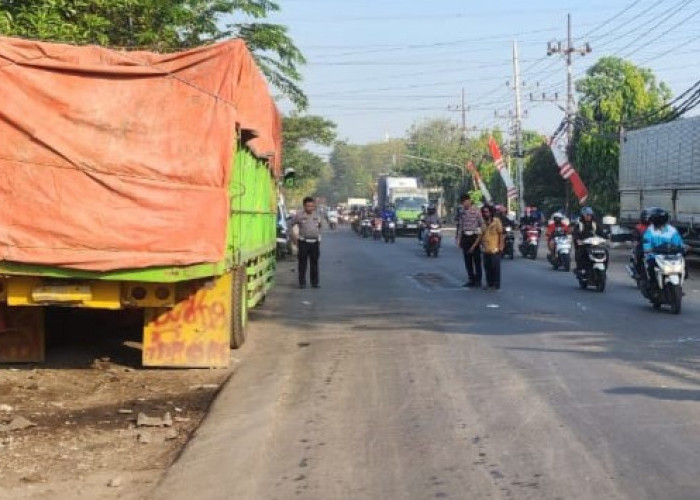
[670, 14]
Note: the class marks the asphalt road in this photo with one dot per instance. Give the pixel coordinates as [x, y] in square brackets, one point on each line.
[393, 382]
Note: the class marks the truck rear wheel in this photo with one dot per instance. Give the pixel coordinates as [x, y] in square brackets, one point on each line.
[239, 308]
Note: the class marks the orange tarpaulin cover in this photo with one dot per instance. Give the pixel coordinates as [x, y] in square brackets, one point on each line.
[121, 160]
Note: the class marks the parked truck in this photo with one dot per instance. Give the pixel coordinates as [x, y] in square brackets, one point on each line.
[660, 167]
[408, 198]
[135, 180]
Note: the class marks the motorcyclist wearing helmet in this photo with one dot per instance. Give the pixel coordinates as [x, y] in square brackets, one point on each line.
[558, 221]
[389, 213]
[531, 218]
[502, 215]
[659, 233]
[639, 231]
[429, 217]
[585, 228]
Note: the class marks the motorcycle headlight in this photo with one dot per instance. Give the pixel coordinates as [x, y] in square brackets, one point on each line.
[670, 265]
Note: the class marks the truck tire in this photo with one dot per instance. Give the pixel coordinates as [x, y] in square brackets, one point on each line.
[239, 307]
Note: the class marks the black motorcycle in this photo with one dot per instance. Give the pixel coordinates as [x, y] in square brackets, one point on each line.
[389, 231]
[366, 228]
[509, 246]
[595, 266]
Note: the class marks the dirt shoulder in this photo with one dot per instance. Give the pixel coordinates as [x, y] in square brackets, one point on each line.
[83, 405]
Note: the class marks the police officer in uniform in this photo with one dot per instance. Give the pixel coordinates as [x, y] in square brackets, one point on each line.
[308, 223]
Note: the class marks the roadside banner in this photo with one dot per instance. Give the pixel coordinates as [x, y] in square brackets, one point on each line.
[500, 165]
[566, 170]
[479, 182]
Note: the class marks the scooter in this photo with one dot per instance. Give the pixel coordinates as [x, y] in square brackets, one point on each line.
[365, 228]
[389, 231]
[561, 256]
[432, 238]
[509, 246]
[665, 286]
[595, 268]
[377, 230]
[633, 268]
[531, 241]
[333, 222]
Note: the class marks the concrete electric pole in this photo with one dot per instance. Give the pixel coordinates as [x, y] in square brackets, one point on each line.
[568, 51]
[519, 149]
[463, 108]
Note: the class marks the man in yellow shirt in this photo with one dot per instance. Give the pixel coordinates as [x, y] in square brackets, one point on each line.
[492, 243]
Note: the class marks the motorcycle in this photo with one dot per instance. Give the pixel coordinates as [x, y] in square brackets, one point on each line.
[561, 255]
[377, 230]
[634, 267]
[389, 231]
[595, 267]
[665, 285]
[530, 243]
[432, 237]
[332, 222]
[365, 228]
[509, 247]
[355, 224]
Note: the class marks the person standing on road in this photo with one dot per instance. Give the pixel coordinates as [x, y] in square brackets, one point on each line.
[308, 223]
[469, 228]
[492, 244]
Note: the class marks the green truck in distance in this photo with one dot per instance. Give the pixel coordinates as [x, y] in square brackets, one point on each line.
[408, 198]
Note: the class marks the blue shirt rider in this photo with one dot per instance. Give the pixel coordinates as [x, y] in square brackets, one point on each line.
[389, 214]
[658, 234]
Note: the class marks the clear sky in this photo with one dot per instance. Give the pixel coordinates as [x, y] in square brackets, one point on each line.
[377, 66]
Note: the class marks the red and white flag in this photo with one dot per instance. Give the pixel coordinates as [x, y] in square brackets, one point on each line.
[566, 170]
[498, 160]
[479, 182]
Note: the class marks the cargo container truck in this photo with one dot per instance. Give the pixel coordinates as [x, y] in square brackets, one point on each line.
[660, 167]
[134, 180]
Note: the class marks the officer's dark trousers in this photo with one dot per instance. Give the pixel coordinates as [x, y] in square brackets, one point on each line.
[472, 261]
[309, 252]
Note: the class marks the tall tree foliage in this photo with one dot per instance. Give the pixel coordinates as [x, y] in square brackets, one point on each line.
[441, 153]
[163, 25]
[613, 93]
[300, 132]
[357, 167]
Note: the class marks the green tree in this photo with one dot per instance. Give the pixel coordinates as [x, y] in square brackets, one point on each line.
[439, 154]
[613, 93]
[163, 25]
[298, 133]
[544, 187]
[357, 167]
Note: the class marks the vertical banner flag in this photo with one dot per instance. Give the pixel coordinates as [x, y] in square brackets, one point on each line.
[498, 160]
[477, 178]
[566, 170]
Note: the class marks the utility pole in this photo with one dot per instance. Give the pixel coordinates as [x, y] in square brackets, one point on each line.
[463, 108]
[569, 51]
[519, 158]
